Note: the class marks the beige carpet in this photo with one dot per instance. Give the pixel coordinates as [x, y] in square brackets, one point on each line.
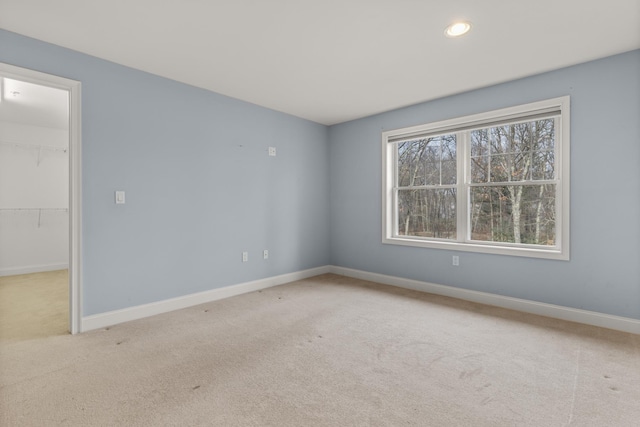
[327, 351]
[34, 305]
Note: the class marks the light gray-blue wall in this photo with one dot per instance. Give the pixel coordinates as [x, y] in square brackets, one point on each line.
[604, 271]
[200, 188]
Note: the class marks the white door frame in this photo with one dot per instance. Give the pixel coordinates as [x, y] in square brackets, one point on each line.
[75, 181]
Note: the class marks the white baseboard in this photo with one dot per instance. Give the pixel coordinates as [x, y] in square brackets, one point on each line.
[14, 271]
[110, 318]
[593, 318]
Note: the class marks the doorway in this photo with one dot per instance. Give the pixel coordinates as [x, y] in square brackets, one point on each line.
[40, 204]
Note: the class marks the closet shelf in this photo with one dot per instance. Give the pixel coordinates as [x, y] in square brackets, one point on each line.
[38, 210]
[34, 209]
[34, 146]
[38, 147]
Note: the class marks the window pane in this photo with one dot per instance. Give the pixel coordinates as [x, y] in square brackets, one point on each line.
[432, 152]
[420, 161]
[449, 171]
[513, 152]
[480, 142]
[514, 213]
[500, 166]
[480, 169]
[432, 173]
[543, 165]
[408, 161]
[499, 139]
[419, 174]
[448, 147]
[427, 213]
[448, 160]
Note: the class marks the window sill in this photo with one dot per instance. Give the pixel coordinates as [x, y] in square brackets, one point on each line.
[496, 249]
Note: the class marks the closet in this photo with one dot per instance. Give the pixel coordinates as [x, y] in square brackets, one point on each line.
[34, 209]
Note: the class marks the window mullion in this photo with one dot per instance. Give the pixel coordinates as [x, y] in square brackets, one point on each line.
[561, 179]
[394, 224]
[462, 199]
[394, 190]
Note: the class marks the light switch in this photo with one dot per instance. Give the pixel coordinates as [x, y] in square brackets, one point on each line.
[119, 197]
[272, 151]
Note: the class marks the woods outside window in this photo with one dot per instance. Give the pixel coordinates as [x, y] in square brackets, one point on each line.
[495, 182]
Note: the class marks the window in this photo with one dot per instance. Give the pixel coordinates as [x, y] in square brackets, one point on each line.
[496, 182]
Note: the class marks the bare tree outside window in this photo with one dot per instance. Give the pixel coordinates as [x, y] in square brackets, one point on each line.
[427, 194]
[494, 182]
[519, 158]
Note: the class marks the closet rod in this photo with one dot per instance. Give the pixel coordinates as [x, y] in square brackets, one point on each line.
[34, 146]
[34, 209]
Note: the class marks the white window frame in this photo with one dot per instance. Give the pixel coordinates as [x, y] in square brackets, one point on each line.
[556, 106]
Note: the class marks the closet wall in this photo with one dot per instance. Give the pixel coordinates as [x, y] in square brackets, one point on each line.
[34, 200]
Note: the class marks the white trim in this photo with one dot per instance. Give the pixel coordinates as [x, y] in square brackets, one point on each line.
[476, 121]
[586, 317]
[75, 179]
[14, 271]
[110, 318]
[75, 208]
[559, 107]
[593, 318]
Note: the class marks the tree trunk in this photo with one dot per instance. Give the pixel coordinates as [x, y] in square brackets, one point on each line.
[539, 214]
[516, 199]
[406, 225]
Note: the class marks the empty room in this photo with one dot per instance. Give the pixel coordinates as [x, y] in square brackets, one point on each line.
[305, 213]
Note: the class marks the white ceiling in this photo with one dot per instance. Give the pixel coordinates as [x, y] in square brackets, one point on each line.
[333, 60]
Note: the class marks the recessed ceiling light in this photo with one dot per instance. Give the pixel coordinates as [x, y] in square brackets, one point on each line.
[457, 29]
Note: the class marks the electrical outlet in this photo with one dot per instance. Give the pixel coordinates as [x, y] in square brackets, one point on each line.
[272, 151]
[456, 260]
[245, 256]
[265, 254]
